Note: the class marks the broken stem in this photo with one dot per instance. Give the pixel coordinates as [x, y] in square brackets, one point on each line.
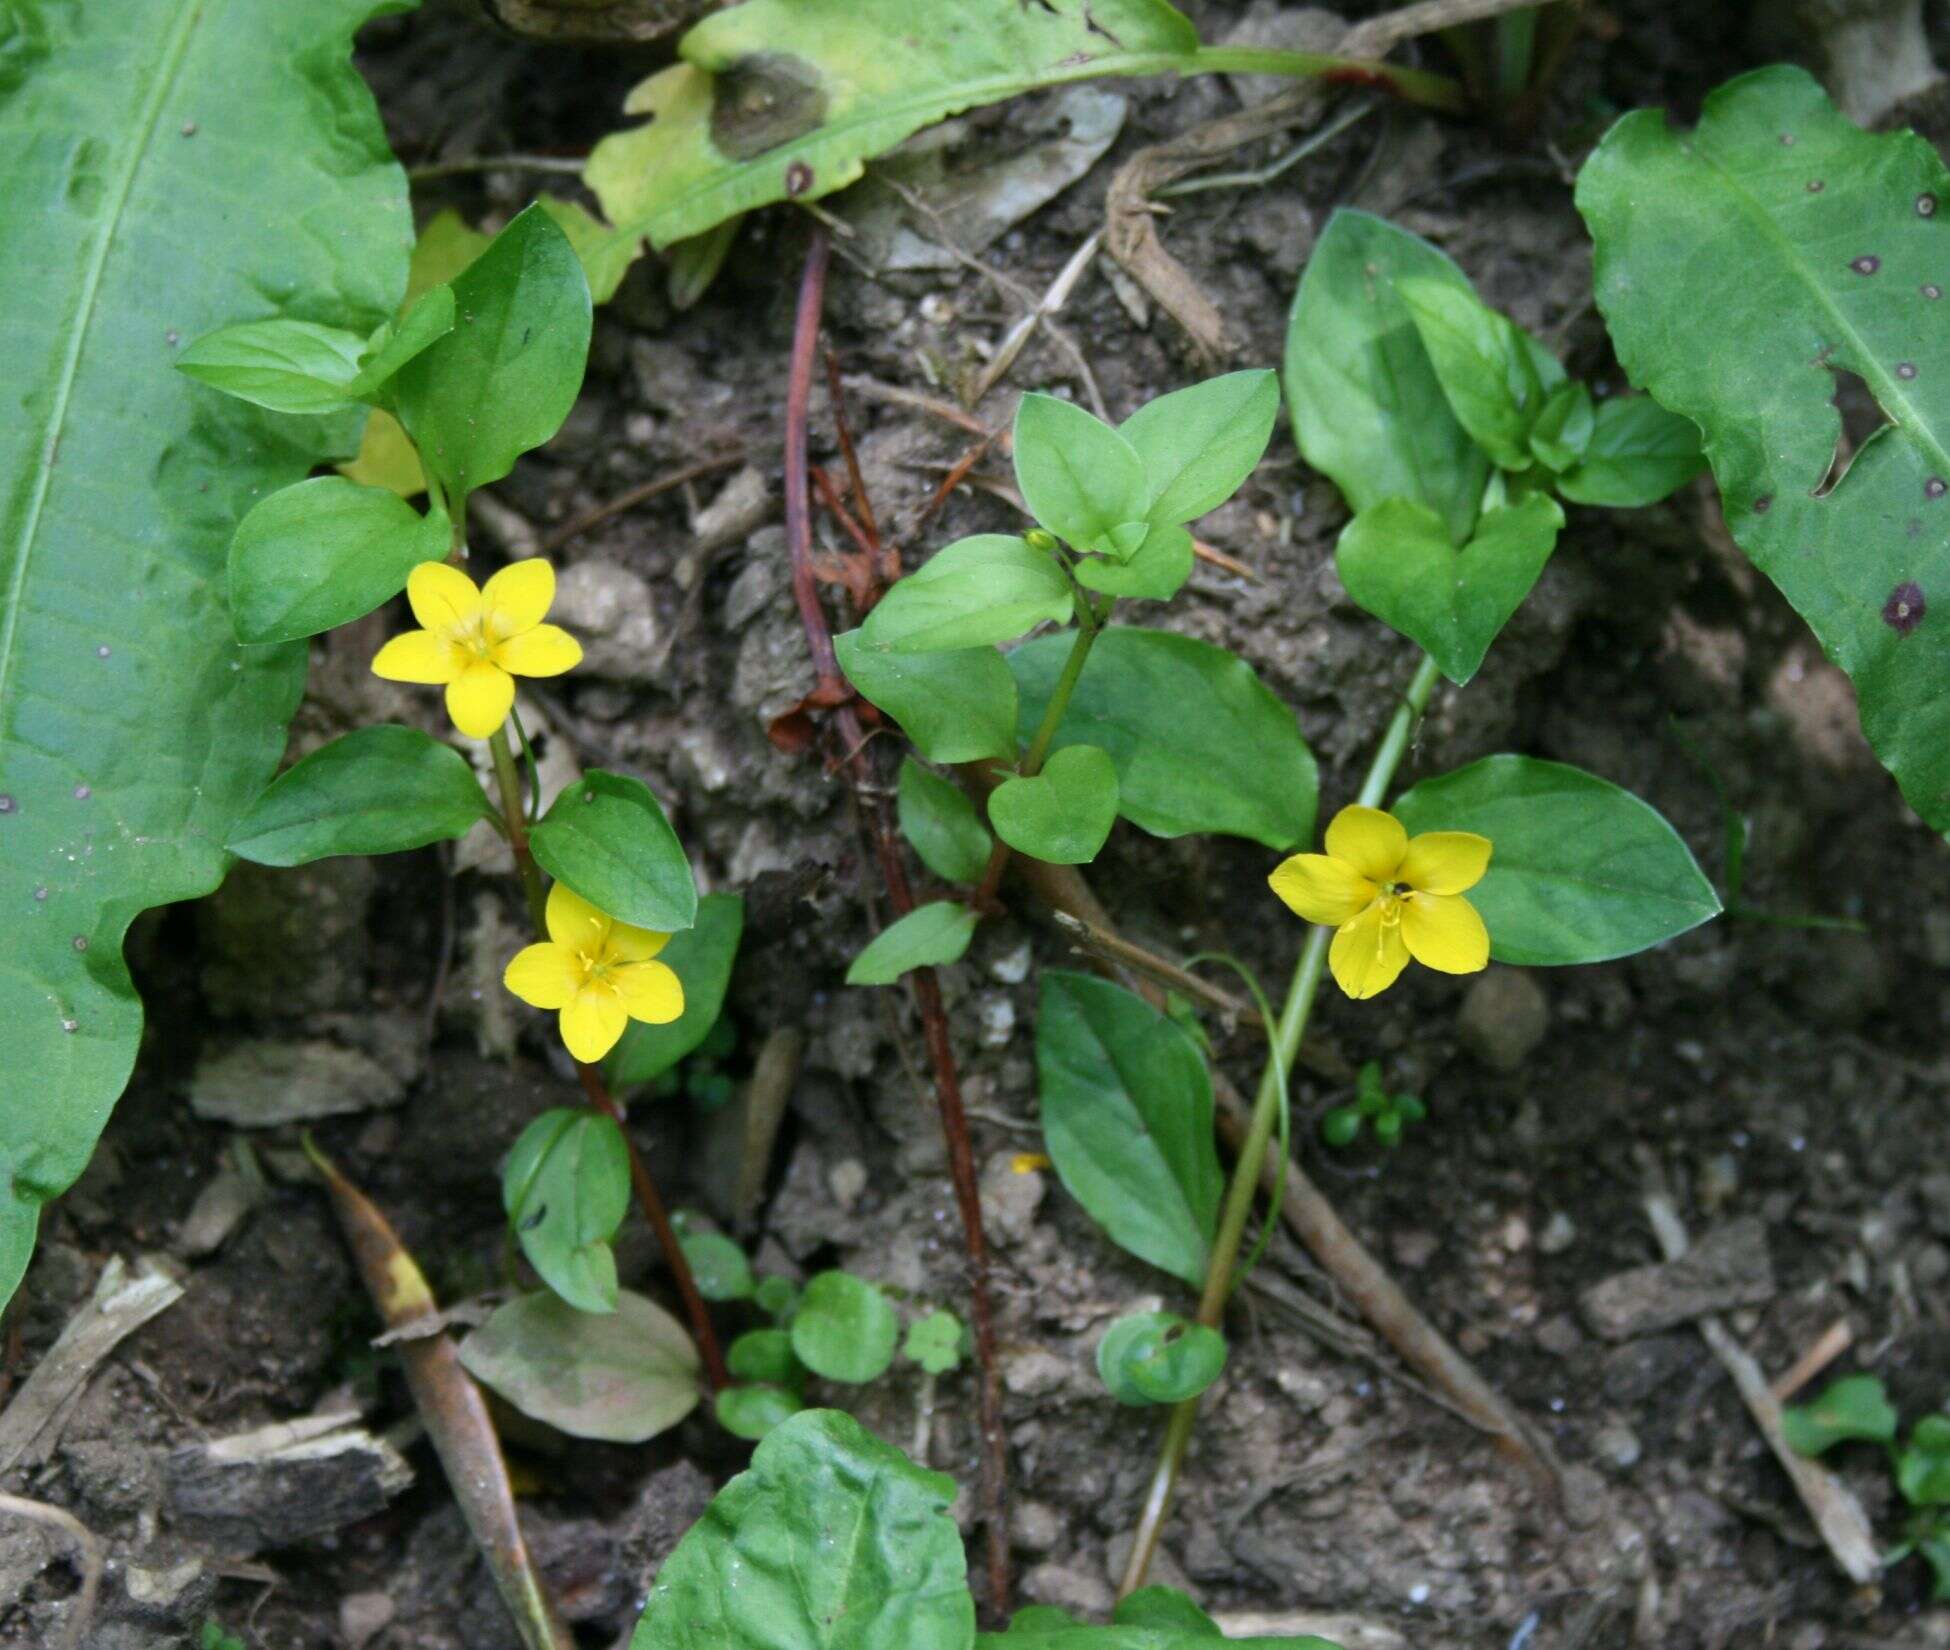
[926, 987]
[1305, 985]
[515, 821]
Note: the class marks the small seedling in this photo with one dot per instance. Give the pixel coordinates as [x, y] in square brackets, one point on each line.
[1373, 1107]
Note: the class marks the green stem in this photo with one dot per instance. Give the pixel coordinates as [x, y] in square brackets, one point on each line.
[1287, 1036]
[516, 820]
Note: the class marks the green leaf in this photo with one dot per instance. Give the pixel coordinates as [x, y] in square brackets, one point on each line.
[787, 99]
[972, 593]
[1063, 814]
[765, 1355]
[702, 957]
[1580, 871]
[958, 706]
[1200, 743]
[1397, 564]
[1341, 1126]
[380, 790]
[1164, 1607]
[607, 838]
[324, 553]
[1198, 445]
[1368, 411]
[938, 818]
[1936, 1552]
[1159, 1358]
[605, 256]
[391, 347]
[284, 365]
[934, 1342]
[845, 1329]
[1564, 427]
[619, 1377]
[753, 1410]
[1484, 363]
[506, 376]
[777, 1297]
[1923, 1466]
[566, 1188]
[718, 1265]
[1079, 477]
[1855, 1407]
[133, 728]
[1786, 286]
[1638, 454]
[1127, 1120]
[1156, 571]
[831, 1541]
[929, 936]
[1152, 1618]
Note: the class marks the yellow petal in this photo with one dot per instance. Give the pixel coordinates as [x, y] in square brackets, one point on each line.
[419, 656]
[633, 945]
[1321, 889]
[574, 922]
[1445, 862]
[546, 976]
[592, 1021]
[1367, 955]
[479, 699]
[442, 597]
[517, 598]
[649, 991]
[1444, 932]
[1368, 839]
[544, 650]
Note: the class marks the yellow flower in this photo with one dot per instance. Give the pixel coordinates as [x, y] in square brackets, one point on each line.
[1390, 897]
[477, 641]
[598, 972]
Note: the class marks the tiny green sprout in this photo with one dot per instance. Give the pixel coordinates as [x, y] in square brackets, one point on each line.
[1388, 1114]
[777, 1298]
[717, 1264]
[216, 1636]
[934, 1342]
[1856, 1409]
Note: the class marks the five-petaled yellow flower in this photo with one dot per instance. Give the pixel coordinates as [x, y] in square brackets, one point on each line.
[598, 972]
[478, 640]
[1390, 897]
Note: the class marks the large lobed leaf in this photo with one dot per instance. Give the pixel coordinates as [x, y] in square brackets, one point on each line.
[1740, 267]
[787, 99]
[172, 166]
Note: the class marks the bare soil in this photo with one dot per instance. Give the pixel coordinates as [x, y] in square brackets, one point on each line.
[1791, 1075]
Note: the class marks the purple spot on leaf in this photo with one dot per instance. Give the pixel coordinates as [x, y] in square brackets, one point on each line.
[1787, 140]
[103, 651]
[1815, 186]
[798, 178]
[1935, 487]
[1905, 369]
[6, 803]
[1763, 504]
[40, 893]
[1867, 264]
[1926, 205]
[81, 942]
[82, 793]
[1931, 290]
[1903, 612]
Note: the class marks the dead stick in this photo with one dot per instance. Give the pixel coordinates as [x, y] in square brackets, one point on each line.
[652, 1204]
[82, 1612]
[1115, 948]
[1836, 1339]
[632, 497]
[1839, 1517]
[926, 987]
[451, 1405]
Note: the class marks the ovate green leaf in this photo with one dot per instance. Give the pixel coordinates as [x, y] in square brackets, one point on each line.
[1156, 570]
[1854, 1407]
[1396, 562]
[171, 168]
[755, 1408]
[606, 837]
[1062, 814]
[284, 365]
[718, 1266]
[937, 817]
[1199, 742]
[1580, 871]
[1368, 411]
[1080, 478]
[934, 1342]
[929, 936]
[1808, 248]
[831, 1540]
[958, 706]
[1159, 1358]
[324, 553]
[1637, 454]
[380, 790]
[972, 593]
[702, 957]
[845, 1329]
[1487, 368]
[1198, 444]
[566, 1188]
[1127, 1119]
[620, 1377]
[1923, 1464]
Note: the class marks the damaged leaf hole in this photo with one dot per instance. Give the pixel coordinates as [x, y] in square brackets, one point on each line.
[1926, 205]
[763, 100]
[1867, 264]
[1862, 420]
[1904, 610]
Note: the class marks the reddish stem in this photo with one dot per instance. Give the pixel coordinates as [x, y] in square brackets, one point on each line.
[926, 987]
[654, 1212]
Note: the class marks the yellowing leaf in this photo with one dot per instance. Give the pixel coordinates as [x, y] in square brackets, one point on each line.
[386, 458]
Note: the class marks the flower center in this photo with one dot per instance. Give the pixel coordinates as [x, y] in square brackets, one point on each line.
[1391, 898]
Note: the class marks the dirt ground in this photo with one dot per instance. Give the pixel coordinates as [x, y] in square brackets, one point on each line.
[1782, 1075]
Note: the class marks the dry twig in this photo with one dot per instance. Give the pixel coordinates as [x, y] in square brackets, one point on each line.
[86, 1543]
